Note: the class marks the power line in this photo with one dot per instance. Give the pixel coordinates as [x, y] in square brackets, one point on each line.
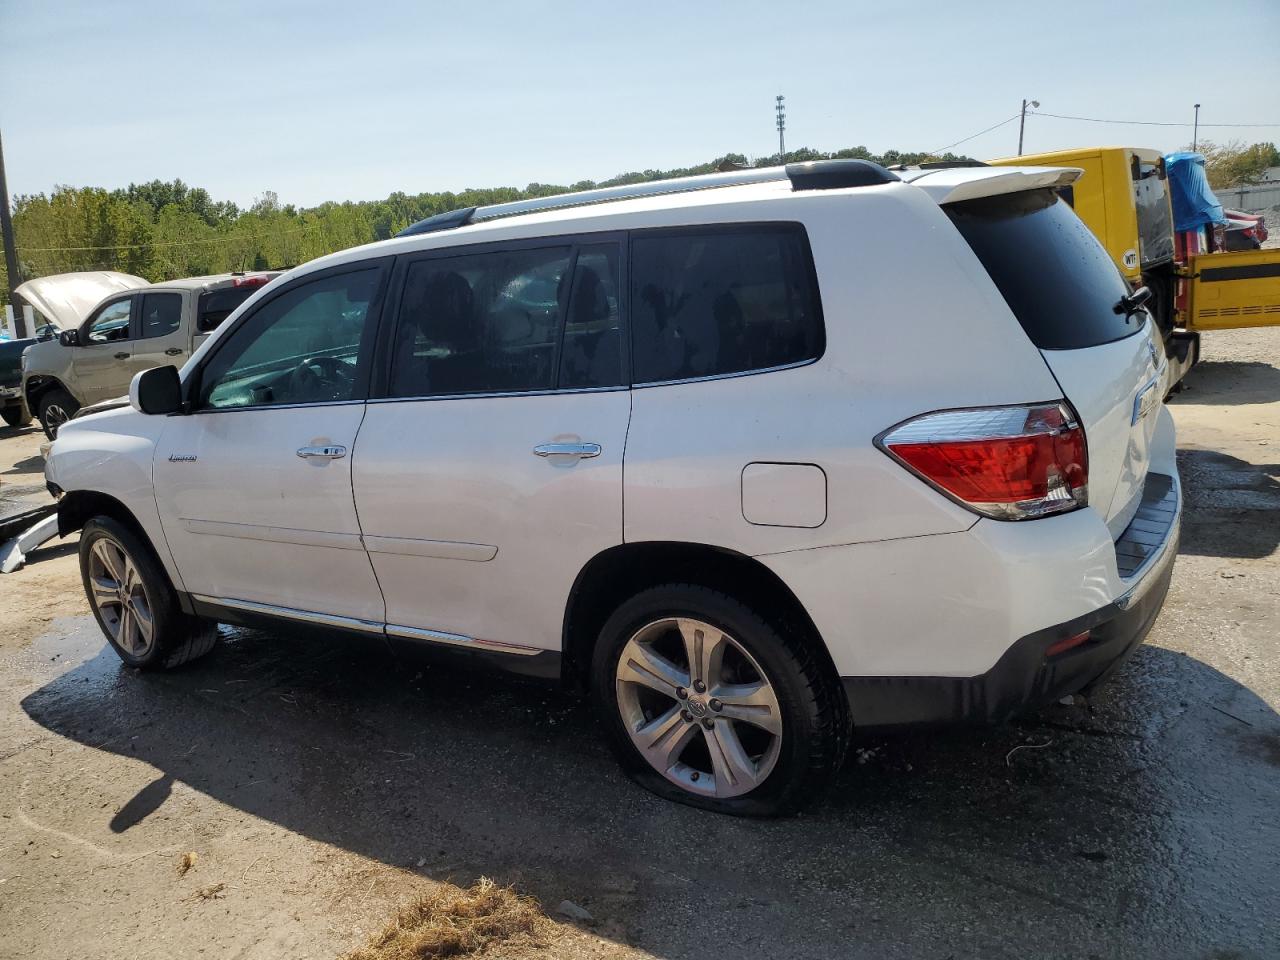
[171, 243]
[1147, 123]
[994, 126]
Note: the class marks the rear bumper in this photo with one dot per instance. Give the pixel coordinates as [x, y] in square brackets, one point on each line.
[1025, 678]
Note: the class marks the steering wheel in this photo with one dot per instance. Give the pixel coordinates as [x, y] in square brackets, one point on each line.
[316, 377]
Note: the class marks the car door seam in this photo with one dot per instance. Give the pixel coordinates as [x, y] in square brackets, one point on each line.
[355, 506]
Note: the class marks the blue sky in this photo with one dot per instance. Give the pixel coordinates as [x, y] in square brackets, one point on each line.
[321, 100]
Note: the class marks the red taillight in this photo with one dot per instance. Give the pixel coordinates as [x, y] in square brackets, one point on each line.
[1011, 463]
[250, 281]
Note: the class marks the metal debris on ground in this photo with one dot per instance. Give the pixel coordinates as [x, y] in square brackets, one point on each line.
[1008, 758]
[13, 552]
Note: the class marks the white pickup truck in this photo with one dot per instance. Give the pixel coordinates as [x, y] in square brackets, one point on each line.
[114, 325]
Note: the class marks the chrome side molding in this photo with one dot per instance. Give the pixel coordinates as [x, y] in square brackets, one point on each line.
[458, 640]
[290, 613]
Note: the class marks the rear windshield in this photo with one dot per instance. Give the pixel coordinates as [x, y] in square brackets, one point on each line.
[1056, 277]
[216, 305]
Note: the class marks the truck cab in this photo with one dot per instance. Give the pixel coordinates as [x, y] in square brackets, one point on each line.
[134, 328]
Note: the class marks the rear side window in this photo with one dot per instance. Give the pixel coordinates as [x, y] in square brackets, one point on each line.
[161, 314]
[1056, 277]
[481, 323]
[216, 305]
[712, 301]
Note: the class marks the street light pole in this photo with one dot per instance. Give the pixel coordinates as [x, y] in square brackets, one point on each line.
[1195, 131]
[1022, 123]
[10, 251]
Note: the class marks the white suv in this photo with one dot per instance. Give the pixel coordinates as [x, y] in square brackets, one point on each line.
[755, 458]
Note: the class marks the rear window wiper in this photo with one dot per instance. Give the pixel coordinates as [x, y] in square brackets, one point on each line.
[1131, 303]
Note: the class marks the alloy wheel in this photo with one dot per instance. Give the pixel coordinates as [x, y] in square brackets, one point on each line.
[121, 597]
[698, 707]
[54, 417]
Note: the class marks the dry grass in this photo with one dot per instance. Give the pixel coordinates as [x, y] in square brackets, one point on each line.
[212, 892]
[458, 923]
[185, 863]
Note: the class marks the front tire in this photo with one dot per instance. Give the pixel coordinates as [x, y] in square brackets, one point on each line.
[708, 703]
[56, 408]
[133, 601]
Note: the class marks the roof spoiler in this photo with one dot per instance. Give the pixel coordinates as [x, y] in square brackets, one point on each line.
[956, 184]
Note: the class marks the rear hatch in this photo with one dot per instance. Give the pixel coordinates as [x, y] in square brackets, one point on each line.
[1064, 289]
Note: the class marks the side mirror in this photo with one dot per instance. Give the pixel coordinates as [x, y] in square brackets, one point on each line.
[156, 391]
[69, 338]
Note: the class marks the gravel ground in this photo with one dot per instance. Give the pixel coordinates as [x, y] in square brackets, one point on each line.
[320, 784]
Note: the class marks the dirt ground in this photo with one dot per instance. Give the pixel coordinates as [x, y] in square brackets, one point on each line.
[29, 602]
[321, 784]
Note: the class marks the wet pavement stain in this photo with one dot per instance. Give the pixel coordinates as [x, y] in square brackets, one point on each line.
[1143, 824]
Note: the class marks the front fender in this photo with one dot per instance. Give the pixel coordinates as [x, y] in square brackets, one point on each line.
[111, 454]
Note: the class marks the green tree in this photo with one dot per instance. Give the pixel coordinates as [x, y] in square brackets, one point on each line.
[161, 229]
[1230, 164]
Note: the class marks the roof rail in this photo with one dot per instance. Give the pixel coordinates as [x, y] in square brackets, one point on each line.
[814, 175]
[939, 165]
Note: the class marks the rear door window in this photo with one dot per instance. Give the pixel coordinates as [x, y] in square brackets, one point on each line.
[481, 323]
[1056, 277]
[715, 301]
[161, 314]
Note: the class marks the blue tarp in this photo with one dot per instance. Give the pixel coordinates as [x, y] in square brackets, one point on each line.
[1194, 204]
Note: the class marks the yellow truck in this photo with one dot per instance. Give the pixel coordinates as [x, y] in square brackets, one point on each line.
[1124, 198]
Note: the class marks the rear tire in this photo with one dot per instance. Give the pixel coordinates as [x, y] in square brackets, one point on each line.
[773, 738]
[16, 415]
[56, 408]
[134, 602]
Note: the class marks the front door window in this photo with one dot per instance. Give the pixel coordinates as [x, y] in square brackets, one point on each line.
[111, 325]
[304, 346]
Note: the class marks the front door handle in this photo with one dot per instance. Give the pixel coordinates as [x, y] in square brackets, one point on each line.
[173, 351]
[583, 451]
[331, 451]
[121, 356]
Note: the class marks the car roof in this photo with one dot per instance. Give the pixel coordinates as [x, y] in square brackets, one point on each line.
[202, 283]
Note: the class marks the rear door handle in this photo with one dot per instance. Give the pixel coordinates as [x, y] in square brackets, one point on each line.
[330, 451]
[173, 351]
[583, 451]
[122, 356]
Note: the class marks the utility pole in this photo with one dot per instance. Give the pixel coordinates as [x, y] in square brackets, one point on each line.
[1022, 123]
[10, 252]
[782, 126]
[1195, 130]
